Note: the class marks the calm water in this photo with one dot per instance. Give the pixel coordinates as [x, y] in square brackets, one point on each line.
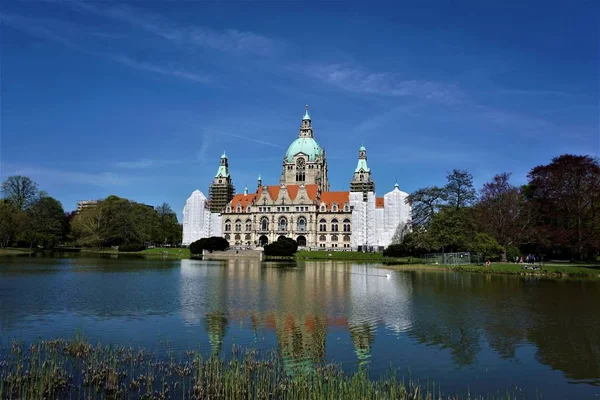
[466, 332]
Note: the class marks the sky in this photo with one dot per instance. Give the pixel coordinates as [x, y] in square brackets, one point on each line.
[140, 99]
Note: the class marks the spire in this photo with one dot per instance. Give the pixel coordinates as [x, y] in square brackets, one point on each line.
[306, 116]
[224, 155]
[396, 185]
[246, 191]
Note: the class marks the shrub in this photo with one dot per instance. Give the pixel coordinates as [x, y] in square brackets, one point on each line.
[211, 244]
[129, 247]
[282, 247]
[395, 250]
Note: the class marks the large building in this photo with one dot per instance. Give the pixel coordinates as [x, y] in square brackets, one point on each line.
[301, 206]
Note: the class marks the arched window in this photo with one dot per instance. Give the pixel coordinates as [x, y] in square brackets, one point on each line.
[238, 225]
[334, 207]
[227, 237]
[346, 225]
[301, 224]
[282, 224]
[361, 177]
[322, 225]
[248, 209]
[323, 208]
[247, 236]
[227, 225]
[264, 224]
[334, 225]
[300, 170]
[237, 237]
[346, 238]
[334, 238]
[322, 238]
[248, 225]
[238, 209]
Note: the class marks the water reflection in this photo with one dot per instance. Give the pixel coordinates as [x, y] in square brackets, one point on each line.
[448, 326]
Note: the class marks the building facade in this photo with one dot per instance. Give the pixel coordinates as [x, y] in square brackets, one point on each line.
[301, 206]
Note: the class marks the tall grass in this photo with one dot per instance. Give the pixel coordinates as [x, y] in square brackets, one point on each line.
[76, 369]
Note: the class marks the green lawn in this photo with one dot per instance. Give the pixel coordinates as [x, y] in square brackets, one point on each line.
[337, 255]
[170, 252]
[14, 252]
[550, 270]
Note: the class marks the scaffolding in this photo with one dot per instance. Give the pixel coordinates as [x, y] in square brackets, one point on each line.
[463, 258]
[220, 195]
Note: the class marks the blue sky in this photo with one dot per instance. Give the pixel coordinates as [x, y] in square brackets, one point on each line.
[140, 99]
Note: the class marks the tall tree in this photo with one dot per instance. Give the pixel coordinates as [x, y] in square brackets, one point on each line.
[425, 203]
[45, 223]
[88, 227]
[566, 196]
[460, 191]
[168, 230]
[20, 190]
[503, 213]
[11, 222]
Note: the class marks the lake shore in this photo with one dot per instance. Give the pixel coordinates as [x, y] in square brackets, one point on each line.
[14, 252]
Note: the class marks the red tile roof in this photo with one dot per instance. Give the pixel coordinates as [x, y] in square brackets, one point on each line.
[311, 191]
[243, 200]
[335, 197]
[379, 202]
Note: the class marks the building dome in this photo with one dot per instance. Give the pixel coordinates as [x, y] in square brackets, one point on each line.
[307, 146]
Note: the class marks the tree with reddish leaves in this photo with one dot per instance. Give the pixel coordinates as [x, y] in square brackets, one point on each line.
[566, 197]
[503, 213]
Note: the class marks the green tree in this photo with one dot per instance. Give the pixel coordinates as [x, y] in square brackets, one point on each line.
[45, 224]
[487, 246]
[452, 229]
[11, 222]
[88, 227]
[459, 190]
[168, 231]
[425, 203]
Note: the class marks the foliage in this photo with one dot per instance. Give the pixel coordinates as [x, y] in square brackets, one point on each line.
[12, 220]
[459, 190]
[401, 230]
[168, 230]
[425, 203]
[45, 223]
[282, 247]
[131, 247]
[213, 243]
[565, 195]
[487, 246]
[21, 191]
[395, 250]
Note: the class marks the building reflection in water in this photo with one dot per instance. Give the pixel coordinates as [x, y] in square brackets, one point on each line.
[298, 304]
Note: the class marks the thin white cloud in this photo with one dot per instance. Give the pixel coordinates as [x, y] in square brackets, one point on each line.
[103, 179]
[43, 29]
[229, 40]
[357, 80]
[145, 163]
[247, 138]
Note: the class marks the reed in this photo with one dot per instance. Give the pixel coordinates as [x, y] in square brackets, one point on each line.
[75, 368]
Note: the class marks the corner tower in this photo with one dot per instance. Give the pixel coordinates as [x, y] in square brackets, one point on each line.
[221, 190]
[304, 161]
[361, 181]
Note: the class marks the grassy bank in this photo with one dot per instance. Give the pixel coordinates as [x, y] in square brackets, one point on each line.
[76, 368]
[167, 252]
[549, 270]
[14, 252]
[353, 256]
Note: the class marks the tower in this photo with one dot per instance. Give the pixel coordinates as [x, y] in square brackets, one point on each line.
[221, 190]
[361, 181]
[304, 161]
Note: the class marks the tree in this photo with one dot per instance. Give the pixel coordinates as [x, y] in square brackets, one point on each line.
[425, 203]
[168, 229]
[487, 246]
[401, 230]
[503, 213]
[45, 223]
[213, 243]
[566, 197]
[11, 223]
[459, 190]
[20, 190]
[88, 226]
[282, 247]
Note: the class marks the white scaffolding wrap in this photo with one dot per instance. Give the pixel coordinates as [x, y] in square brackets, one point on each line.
[376, 226]
[198, 221]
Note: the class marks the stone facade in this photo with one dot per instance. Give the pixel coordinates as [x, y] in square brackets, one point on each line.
[303, 208]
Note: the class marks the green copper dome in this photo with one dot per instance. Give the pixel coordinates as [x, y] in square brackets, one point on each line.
[307, 146]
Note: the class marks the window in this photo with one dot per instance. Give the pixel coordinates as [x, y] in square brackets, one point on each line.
[248, 209]
[323, 209]
[247, 236]
[334, 207]
[264, 224]
[301, 224]
[346, 238]
[322, 238]
[334, 238]
[238, 225]
[237, 237]
[248, 225]
[227, 237]
[361, 177]
[282, 224]
[227, 225]
[322, 225]
[334, 225]
[346, 225]
[238, 209]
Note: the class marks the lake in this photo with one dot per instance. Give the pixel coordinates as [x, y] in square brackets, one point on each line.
[468, 333]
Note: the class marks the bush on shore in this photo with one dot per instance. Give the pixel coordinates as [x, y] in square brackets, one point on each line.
[213, 243]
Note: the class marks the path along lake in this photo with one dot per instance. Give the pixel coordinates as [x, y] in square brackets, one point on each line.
[468, 333]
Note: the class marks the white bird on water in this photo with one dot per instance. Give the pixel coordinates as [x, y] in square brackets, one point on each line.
[388, 276]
